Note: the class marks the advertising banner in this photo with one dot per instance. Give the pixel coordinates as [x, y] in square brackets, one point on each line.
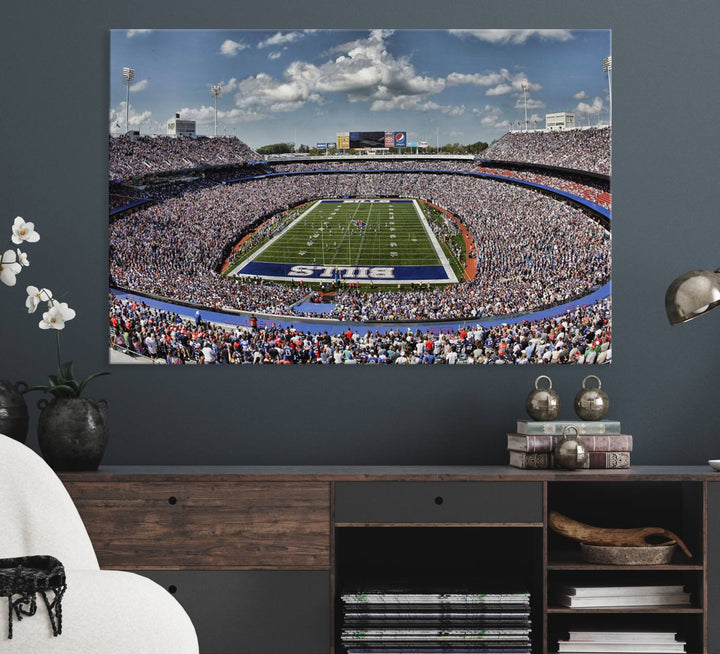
[343, 141]
[400, 139]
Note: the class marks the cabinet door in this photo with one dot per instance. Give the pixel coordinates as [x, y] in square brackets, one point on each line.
[258, 612]
[144, 524]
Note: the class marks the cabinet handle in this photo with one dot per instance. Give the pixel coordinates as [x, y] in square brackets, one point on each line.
[172, 500]
[172, 589]
[439, 500]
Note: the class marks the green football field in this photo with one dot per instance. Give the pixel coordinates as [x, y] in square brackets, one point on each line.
[382, 241]
[330, 234]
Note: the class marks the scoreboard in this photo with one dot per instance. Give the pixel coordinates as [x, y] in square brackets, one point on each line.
[359, 140]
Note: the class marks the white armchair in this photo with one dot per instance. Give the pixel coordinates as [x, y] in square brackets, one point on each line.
[104, 612]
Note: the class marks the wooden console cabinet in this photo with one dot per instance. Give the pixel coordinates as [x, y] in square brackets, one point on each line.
[259, 555]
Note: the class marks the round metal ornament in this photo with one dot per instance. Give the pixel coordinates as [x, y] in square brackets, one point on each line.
[591, 403]
[570, 453]
[543, 403]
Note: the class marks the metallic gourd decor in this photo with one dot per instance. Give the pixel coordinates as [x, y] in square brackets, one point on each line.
[591, 403]
[570, 452]
[543, 403]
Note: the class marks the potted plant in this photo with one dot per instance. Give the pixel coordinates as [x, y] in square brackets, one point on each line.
[72, 430]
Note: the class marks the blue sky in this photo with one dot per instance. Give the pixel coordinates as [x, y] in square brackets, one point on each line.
[307, 85]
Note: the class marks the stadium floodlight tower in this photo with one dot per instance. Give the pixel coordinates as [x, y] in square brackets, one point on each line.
[216, 91]
[128, 77]
[607, 67]
[524, 85]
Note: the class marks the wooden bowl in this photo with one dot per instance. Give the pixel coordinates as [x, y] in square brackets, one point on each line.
[621, 555]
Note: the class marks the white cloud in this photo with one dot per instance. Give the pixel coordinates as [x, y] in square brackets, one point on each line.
[585, 108]
[416, 103]
[478, 79]
[230, 48]
[363, 69]
[500, 89]
[205, 115]
[274, 55]
[580, 95]
[140, 85]
[531, 104]
[131, 33]
[142, 121]
[281, 39]
[502, 81]
[227, 87]
[513, 37]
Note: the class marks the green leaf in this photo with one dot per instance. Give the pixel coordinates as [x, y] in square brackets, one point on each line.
[53, 380]
[63, 391]
[45, 389]
[65, 371]
[87, 380]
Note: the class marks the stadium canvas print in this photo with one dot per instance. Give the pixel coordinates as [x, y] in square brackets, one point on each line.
[368, 197]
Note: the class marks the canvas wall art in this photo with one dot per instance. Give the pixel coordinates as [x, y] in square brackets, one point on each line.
[366, 197]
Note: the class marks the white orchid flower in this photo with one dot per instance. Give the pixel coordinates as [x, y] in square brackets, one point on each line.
[22, 231]
[9, 267]
[56, 316]
[22, 258]
[36, 296]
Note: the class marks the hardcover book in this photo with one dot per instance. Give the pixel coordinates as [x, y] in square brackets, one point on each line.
[555, 427]
[657, 599]
[546, 442]
[545, 460]
[604, 591]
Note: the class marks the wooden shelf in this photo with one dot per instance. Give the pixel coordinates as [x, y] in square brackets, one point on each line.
[573, 561]
[626, 609]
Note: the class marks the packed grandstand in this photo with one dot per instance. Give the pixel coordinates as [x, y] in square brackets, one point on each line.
[533, 210]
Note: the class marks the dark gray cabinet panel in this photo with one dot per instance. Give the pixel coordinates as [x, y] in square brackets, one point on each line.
[441, 501]
[258, 612]
[713, 567]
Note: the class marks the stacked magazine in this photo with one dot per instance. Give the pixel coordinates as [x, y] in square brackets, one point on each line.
[585, 597]
[392, 621]
[600, 642]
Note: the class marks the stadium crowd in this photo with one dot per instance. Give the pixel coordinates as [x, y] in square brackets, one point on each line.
[599, 194]
[583, 336]
[137, 156]
[379, 163]
[580, 149]
[533, 250]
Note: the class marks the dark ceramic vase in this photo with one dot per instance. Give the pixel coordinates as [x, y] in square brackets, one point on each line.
[72, 433]
[13, 410]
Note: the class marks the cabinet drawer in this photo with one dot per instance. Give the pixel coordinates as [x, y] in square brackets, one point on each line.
[230, 525]
[443, 501]
[254, 611]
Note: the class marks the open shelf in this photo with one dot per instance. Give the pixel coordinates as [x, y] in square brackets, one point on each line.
[480, 559]
[626, 609]
[679, 507]
[572, 560]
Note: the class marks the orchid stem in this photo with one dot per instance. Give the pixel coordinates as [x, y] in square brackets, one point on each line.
[57, 333]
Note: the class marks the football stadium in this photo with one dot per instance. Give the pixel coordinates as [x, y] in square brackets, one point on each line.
[365, 250]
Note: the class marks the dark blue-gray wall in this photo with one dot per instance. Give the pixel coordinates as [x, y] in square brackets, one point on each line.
[663, 383]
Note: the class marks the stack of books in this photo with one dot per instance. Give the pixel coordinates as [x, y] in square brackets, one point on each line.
[597, 642]
[385, 621]
[531, 446]
[584, 597]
